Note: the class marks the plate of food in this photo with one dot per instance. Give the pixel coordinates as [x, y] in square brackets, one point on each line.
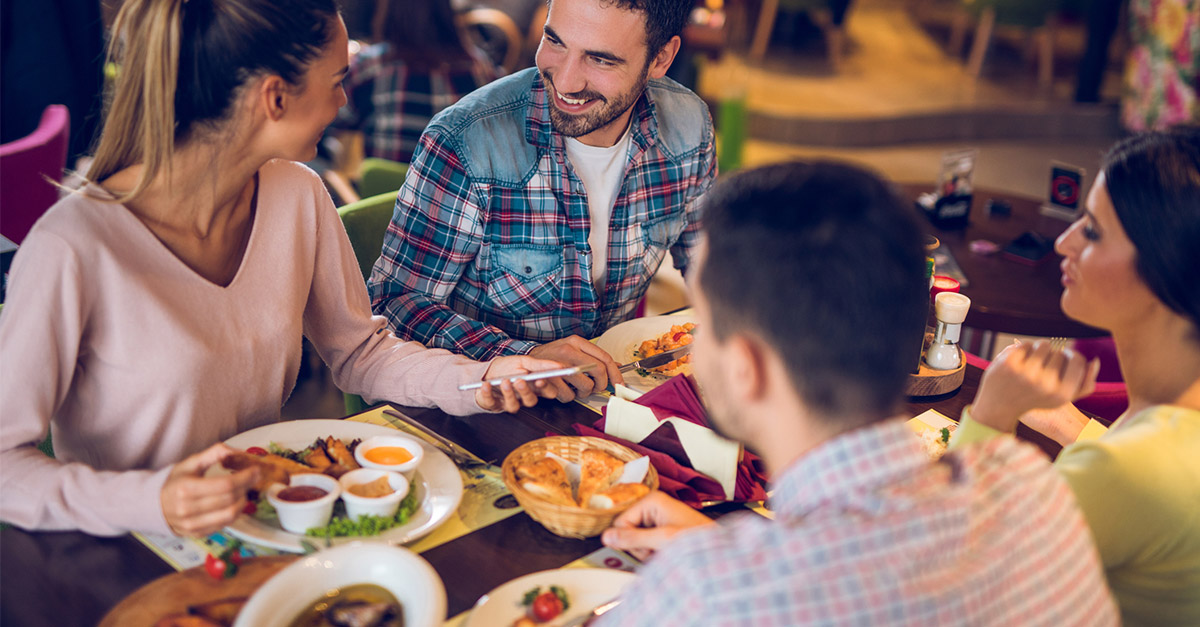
[644, 337]
[934, 431]
[435, 491]
[550, 598]
[355, 584]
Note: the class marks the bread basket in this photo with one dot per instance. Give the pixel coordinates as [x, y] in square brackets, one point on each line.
[568, 522]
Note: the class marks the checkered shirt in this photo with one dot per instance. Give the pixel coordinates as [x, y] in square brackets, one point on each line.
[487, 253]
[869, 532]
[391, 103]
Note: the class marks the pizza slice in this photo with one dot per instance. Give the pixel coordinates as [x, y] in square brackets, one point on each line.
[597, 471]
[547, 479]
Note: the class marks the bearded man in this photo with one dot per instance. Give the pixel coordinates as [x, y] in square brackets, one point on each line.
[537, 208]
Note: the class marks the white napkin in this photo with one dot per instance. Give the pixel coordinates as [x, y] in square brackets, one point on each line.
[709, 453]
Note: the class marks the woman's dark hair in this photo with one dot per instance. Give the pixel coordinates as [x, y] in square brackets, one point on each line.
[182, 64]
[422, 33]
[826, 263]
[1154, 182]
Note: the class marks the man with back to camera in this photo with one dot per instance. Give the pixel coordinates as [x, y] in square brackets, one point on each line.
[805, 363]
[537, 208]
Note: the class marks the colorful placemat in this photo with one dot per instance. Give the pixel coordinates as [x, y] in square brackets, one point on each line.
[484, 502]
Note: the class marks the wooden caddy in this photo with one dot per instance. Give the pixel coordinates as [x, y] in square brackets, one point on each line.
[930, 382]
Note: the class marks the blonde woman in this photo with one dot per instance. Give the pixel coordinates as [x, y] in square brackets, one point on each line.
[159, 309]
[1132, 266]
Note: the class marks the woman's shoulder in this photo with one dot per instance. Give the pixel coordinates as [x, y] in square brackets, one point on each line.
[1156, 443]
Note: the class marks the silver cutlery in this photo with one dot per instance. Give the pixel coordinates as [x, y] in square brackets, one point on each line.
[452, 450]
[661, 359]
[583, 620]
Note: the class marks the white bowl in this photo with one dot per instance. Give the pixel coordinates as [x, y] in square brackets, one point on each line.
[372, 506]
[300, 516]
[400, 571]
[413, 447]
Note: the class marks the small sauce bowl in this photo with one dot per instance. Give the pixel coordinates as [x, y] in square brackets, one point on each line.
[396, 453]
[298, 516]
[385, 505]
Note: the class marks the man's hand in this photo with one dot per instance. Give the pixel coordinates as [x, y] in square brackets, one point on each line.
[1025, 377]
[576, 351]
[650, 524]
[195, 505]
[510, 396]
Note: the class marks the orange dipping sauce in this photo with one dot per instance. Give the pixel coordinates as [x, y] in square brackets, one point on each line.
[388, 455]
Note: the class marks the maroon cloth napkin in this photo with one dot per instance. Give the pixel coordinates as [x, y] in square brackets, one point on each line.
[677, 397]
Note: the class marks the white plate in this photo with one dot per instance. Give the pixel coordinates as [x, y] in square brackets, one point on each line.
[586, 588]
[439, 486]
[621, 341]
[405, 574]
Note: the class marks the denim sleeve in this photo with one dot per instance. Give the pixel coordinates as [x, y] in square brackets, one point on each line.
[435, 232]
[706, 173]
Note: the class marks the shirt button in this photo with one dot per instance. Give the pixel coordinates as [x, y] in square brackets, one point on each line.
[528, 270]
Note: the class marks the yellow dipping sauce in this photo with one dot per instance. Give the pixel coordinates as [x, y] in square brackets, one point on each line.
[388, 455]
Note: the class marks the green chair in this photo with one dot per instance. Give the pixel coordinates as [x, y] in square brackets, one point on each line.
[366, 222]
[377, 176]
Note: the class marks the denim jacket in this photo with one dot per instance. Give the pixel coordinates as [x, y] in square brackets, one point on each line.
[487, 252]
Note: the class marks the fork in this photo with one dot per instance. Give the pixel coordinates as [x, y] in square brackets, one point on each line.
[463, 460]
[1059, 343]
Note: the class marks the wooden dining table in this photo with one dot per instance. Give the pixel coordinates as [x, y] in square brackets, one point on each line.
[71, 578]
[1008, 296]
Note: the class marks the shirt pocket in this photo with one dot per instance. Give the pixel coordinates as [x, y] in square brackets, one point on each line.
[658, 235]
[526, 280]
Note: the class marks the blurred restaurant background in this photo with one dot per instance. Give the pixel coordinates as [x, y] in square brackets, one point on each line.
[892, 84]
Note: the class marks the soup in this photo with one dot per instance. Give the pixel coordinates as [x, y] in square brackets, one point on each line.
[361, 604]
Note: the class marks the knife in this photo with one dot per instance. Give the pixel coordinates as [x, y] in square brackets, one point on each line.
[660, 359]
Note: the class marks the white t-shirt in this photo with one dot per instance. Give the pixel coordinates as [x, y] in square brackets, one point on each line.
[602, 170]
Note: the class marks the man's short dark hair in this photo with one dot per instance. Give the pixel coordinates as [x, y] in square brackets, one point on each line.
[664, 19]
[826, 263]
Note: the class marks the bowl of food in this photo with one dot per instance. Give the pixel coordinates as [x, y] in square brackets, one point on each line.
[396, 453]
[370, 492]
[576, 485]
[367, 584]
[306, 502]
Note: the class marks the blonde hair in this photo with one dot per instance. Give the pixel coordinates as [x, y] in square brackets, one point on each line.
[182, 63]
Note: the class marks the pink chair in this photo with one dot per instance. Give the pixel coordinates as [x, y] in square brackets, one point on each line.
[25, 164]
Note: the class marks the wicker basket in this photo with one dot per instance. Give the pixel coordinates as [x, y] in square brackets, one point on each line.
[568, 522]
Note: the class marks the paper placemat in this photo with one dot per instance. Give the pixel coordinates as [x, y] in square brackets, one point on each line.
[603, 557]
[484, 502]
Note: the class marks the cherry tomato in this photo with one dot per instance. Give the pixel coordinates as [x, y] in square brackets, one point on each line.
[257, 450]
[226, 564]
[546, 606]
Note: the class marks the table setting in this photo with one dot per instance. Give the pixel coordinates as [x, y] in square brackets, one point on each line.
[469, 528]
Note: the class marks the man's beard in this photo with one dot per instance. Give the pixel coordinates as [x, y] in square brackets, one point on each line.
[599, 116]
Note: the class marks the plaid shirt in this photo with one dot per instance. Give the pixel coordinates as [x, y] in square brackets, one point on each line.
[391, 103]
[487, 253]
[868, 531]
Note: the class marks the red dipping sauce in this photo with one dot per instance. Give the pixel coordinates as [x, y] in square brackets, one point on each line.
[300, 493]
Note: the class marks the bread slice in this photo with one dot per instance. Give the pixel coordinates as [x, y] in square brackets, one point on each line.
[597, 471]
[547, 479]
[619, 495]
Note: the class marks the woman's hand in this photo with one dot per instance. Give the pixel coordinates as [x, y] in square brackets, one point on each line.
[1030, 376]
[195, 505]
[511, 396]
[650, 523]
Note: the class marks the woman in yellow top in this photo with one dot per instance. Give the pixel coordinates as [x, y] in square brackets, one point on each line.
[1131, 266]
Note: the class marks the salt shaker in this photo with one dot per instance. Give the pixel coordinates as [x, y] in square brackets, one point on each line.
[950, 309]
